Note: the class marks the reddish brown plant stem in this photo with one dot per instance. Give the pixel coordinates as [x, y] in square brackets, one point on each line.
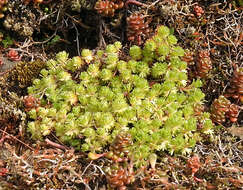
[56, 145]
[135, 3]
[3, 137]
[9, 135]
[46, 2]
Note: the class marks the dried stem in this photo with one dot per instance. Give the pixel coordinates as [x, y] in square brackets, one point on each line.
[16, 139]
[49, 142]
[135, 3]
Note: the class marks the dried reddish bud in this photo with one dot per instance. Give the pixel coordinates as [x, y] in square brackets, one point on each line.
[152, 83]
[219, 108]
[198, 36]
[204, 64]
[108, 7]
[30, 102]
[3, 171]
[236, 85]
[13, 55]
[119, 3]
[198, 10]
[1, 62]
[137, 28]
[194, 164]
[233, 112]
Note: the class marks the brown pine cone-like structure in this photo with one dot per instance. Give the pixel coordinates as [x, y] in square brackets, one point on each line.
[236, 85]
[188, 57]
[120, 173]
[219, 108]
[1, 62]
[204, 64]
[119, 148]
[119, 177]
[138, 28]
[233, 112]
[108, 7]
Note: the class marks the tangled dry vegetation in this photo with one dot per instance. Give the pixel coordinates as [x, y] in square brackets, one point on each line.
[32, 32]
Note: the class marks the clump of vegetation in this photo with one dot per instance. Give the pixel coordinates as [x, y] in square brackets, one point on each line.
[146, 97]
[11, 112]
[212, 35]
[5, 41]
[78, 5]
[23, 73]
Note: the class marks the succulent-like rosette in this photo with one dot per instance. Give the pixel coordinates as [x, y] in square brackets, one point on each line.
[136, 106]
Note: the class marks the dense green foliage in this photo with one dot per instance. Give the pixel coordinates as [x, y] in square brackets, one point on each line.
[146, 96]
